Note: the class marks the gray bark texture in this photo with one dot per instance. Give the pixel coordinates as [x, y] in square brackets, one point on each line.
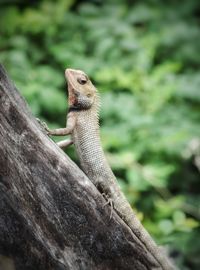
[51, 215]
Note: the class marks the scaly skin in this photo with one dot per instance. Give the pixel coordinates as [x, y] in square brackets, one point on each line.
[83, 125]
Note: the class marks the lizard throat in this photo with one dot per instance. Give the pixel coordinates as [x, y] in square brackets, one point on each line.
[74, 108]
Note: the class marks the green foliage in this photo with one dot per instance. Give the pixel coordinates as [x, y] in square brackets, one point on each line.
[144, 58]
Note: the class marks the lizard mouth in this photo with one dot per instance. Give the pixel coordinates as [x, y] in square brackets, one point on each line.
[72, 99]
[68, 72]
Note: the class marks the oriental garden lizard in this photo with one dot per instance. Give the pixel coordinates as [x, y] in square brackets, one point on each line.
[83, 125]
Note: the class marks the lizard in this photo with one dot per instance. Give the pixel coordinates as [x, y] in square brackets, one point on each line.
[83, 126]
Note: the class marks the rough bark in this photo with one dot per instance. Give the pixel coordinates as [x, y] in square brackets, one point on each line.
[51, 215]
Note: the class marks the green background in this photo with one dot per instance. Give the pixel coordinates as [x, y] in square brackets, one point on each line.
[144, 57]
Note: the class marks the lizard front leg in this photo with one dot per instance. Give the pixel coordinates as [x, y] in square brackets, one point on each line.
[64, 143]
[71, 122]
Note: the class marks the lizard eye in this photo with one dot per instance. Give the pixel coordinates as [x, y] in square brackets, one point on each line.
[82, 80]
[89, 95]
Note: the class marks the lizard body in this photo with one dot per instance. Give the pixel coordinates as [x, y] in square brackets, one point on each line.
[83, 125]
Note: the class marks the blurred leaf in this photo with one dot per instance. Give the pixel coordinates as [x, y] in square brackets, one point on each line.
[143, 56]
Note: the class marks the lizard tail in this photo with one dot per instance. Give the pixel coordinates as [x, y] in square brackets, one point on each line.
[125, 211]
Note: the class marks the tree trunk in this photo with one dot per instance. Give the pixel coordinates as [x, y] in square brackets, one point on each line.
[51, 215]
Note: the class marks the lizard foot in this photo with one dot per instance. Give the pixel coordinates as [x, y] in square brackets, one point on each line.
[109, 201]
[44, 126]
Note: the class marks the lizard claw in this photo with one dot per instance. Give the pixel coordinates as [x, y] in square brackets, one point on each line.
[44, 126]
[108, 202]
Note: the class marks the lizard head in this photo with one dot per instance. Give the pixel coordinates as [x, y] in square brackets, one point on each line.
[81, 91]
